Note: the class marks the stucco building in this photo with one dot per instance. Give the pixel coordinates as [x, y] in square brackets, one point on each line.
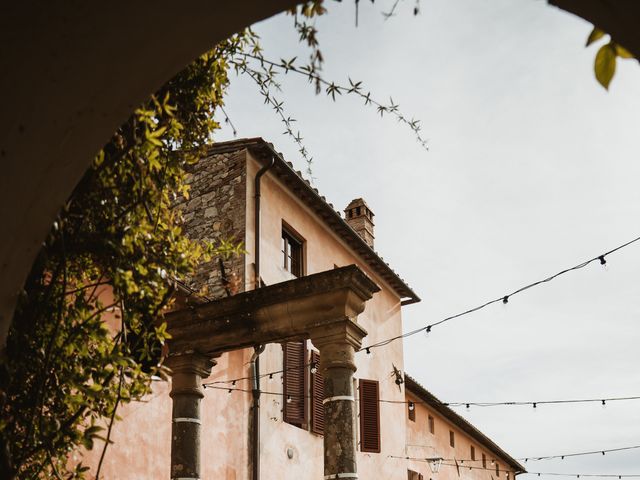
[244, 191]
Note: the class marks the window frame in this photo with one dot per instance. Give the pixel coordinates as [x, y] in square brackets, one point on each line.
[292, 252]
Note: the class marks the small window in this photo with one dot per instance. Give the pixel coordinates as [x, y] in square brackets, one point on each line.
[291, 253]
[497, 469]
[411, 411]
[484, 461]
[473, 453]
[452, 438]
[432, 425]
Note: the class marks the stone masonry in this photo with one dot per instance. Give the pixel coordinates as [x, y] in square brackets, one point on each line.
[216, 211]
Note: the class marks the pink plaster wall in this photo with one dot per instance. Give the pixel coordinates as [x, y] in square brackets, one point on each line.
[142, 448]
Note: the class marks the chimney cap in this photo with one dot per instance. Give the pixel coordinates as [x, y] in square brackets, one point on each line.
[358, 202]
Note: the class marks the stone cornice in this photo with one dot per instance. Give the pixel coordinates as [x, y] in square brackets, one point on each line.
[278, 312]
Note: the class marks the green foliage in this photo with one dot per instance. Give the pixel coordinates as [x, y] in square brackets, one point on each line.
[86, 335]
[606, 58]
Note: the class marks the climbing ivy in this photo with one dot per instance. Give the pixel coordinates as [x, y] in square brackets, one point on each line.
[86, 337]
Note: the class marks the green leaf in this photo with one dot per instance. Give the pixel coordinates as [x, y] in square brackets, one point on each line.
[605, 64]
[596, 34]
[623, 52]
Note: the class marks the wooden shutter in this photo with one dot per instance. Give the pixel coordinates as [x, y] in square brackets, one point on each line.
[369, 416]
[317, 396]
[295, 381]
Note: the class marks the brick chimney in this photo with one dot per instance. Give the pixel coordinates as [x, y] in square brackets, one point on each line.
[360, 218]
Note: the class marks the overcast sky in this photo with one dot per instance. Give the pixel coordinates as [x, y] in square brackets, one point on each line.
[532, 167]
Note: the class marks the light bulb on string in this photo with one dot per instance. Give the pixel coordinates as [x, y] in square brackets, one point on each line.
[535, 407]
[289, 399]
[411, 406]
[314, 369]
[427, 331]
[604, 404]
[468, 407]
[603, 262]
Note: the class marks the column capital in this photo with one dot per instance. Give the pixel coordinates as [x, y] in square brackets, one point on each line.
[342, 331]
[338, 343]
[187, 371]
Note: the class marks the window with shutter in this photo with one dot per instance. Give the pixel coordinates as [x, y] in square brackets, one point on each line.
[369, 416]
[295, 381]
[317, 395]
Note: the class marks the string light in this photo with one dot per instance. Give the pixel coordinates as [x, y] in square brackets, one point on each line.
[427, 329]
[504, 298]
[289, 399]
[411, 406]
[558, 474]
[450, 404]
[579, 454]
[314, 369]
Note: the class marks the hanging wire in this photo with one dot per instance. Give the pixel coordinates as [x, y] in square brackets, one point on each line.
[445, 404]
[542, 457]
[579, 454]
[577, 475]
[503, 298]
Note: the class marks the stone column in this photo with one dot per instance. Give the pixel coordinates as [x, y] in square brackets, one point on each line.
[337, 344]
[189, 369]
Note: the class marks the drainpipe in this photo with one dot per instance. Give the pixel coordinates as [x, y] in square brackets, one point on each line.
[256, 234]
[255, 417]
[255, 358]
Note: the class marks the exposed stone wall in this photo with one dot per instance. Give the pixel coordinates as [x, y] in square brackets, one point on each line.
[216, 211]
